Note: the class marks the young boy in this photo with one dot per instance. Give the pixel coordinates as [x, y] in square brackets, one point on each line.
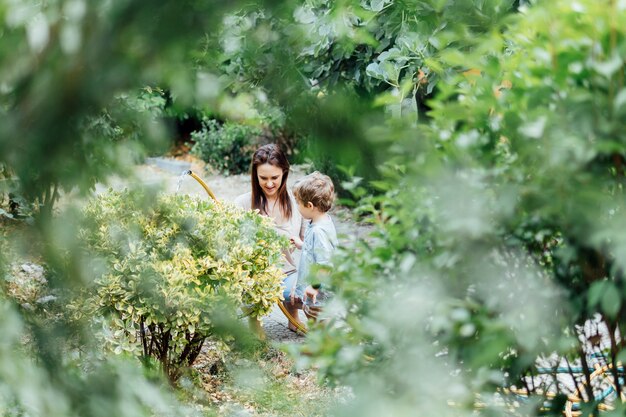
[314, 194]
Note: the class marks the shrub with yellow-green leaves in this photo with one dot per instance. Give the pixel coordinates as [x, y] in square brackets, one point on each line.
[170, 264]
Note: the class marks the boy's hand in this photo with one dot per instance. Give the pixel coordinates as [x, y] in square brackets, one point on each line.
[309, 292]
[296, 241]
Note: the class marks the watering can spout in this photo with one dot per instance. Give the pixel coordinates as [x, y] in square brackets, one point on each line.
[202, 183]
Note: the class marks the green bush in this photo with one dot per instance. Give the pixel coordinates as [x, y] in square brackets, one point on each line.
[500, 234]
[227, 147]
[171, 268]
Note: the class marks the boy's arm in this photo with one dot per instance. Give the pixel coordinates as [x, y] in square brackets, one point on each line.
[303, 223]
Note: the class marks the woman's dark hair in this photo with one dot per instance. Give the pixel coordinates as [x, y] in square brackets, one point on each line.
[270, 154]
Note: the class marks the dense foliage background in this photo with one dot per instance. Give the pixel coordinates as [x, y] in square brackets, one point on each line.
[484, 139]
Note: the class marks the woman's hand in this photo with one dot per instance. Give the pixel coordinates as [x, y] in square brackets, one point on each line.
[296, 241]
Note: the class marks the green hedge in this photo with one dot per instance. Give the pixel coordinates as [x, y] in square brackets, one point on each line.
[227, 147]
[169, 267]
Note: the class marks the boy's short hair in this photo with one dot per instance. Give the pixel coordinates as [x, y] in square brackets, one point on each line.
[316, 188]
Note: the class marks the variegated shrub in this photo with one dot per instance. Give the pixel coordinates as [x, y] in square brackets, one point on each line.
[171, 262]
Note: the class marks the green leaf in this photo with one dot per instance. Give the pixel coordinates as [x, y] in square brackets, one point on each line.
[393, 53]
[434, 65]
[596, 292]
[454, 57]
[610, 67]
[304, 15]
[377, 5]
[620, 100]
[535, 128]
[611, 301]
[374, 70]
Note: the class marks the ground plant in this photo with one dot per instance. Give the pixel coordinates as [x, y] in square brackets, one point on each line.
[227, 147]
[174, 268]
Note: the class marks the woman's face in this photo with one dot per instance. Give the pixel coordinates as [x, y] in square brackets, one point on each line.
[270, 178]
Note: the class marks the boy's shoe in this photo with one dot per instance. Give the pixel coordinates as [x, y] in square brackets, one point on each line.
[311, 311]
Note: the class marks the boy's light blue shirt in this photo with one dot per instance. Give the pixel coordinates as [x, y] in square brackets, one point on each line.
[320, 241]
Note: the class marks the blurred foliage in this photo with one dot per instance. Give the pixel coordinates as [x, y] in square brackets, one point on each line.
[385, 43]
[65, 61]
[507, 209]
[327, 61]
[123, 120]
[257, 53]
[369, 46]
[127, 122]
[70, 71]
[497, 229]
[170, 268]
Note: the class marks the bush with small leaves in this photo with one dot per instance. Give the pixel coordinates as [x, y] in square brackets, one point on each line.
[227, 147]
[170, 266]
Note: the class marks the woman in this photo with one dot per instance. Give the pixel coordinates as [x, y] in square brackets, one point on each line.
[269, 195]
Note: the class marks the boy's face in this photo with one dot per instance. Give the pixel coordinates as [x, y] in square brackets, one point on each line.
[307, 210]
